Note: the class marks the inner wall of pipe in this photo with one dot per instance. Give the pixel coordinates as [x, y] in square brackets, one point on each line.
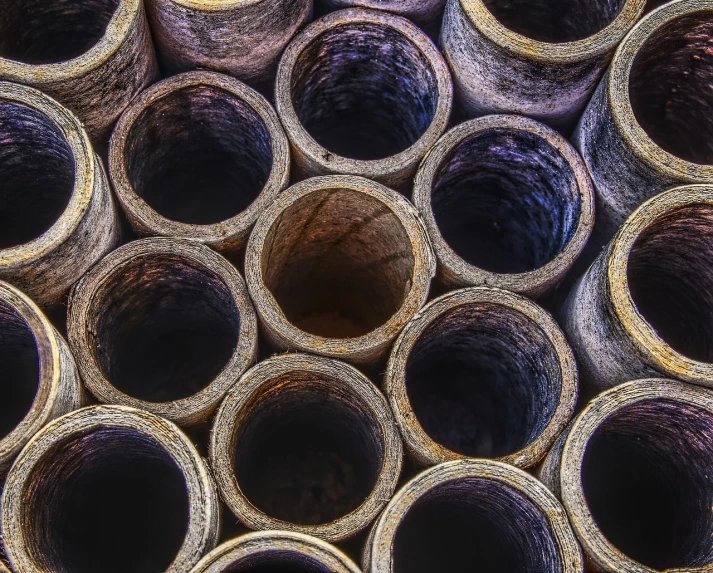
[165, 327]
[670, 274]
[646, 478]
[475, 525]
[338, 262]
[37, 173]
[364, 91]
[199, 155]
[671, 87]
[278, 562]
[41, 32]
[109, 500]
[308, 451]
[483, 380]
[506, 201]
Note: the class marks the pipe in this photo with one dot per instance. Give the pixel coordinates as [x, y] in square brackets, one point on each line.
[92, 56]
[507, 202]
[305, 444]
[648, 126]
[634, 477]
[537, 58]
[337, 266]
[276, 551]
[644, 308]
[473, 515]
[425, 13]
[199, 156]
[362, 92]
[484, 373]
[111, 489]
[56, 220]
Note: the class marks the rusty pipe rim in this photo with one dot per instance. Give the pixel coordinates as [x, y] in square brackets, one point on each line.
[231, 232]
[213, 286]
[577, 200]
[453, 480]
[416, 10]
[310, 381]
[328, 161]
[276, 548]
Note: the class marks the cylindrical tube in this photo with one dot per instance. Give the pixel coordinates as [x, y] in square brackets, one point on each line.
[337, 266]
[270, 551]
[423, 12]
[507, 202]
[57, 217]
[537, 58]
[111, 489]
[649, 126]
[484, 373]
[473, 515]
[645, 308]
[634, 477]
[92, 56]
[362, 92]
[165, 325]
[199, 155]
[306, 444]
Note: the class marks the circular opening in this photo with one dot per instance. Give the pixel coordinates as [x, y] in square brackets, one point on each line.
[109, 500]
[37, 173]
[670, 276]
[165, 327]
[475, 525]
[671, 87]
[646, 478]
[338, 262]
[506, 201]
[483, 380]
[555, 21]
[364, 90]
[41, 32]
[278, 562]
[198, 155]
[308, 451]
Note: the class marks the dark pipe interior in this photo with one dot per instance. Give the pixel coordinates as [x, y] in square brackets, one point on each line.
[110, 500]
[670, 274]
[364, 91]
[308, 452]
[278, 562]
[671, 87]
[42, 32]
[36, 170]
[199, 155]
[506, 201]
[646, 478]
[338, 262]
[165, 328]
[475, 525]
[483, 380]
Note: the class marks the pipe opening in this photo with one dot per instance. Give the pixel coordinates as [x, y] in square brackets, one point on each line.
[646, 478]
[670, 275]
[670, 87]
[364, 90]
[483, 380]
[506, 201]
[198, 155]
[278, 562]
[109, 500]
[37, 173]
[41, 32]
[338, 262]
[308, 451]
[555, 21]
[165, 327]
[475, 525]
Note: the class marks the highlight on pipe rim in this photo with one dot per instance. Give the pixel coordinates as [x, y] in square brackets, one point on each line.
[230, 233]
[425, 449]
[242, 402]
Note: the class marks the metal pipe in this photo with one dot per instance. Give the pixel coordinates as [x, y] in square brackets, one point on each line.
[425, 13]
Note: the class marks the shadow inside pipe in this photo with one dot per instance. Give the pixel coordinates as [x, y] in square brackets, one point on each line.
[279, 562]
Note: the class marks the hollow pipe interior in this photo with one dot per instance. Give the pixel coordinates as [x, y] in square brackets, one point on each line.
[278, 562]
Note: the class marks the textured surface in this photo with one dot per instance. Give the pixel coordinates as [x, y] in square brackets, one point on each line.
[424, 12]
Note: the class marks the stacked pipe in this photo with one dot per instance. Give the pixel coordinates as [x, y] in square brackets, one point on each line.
[290, 286]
